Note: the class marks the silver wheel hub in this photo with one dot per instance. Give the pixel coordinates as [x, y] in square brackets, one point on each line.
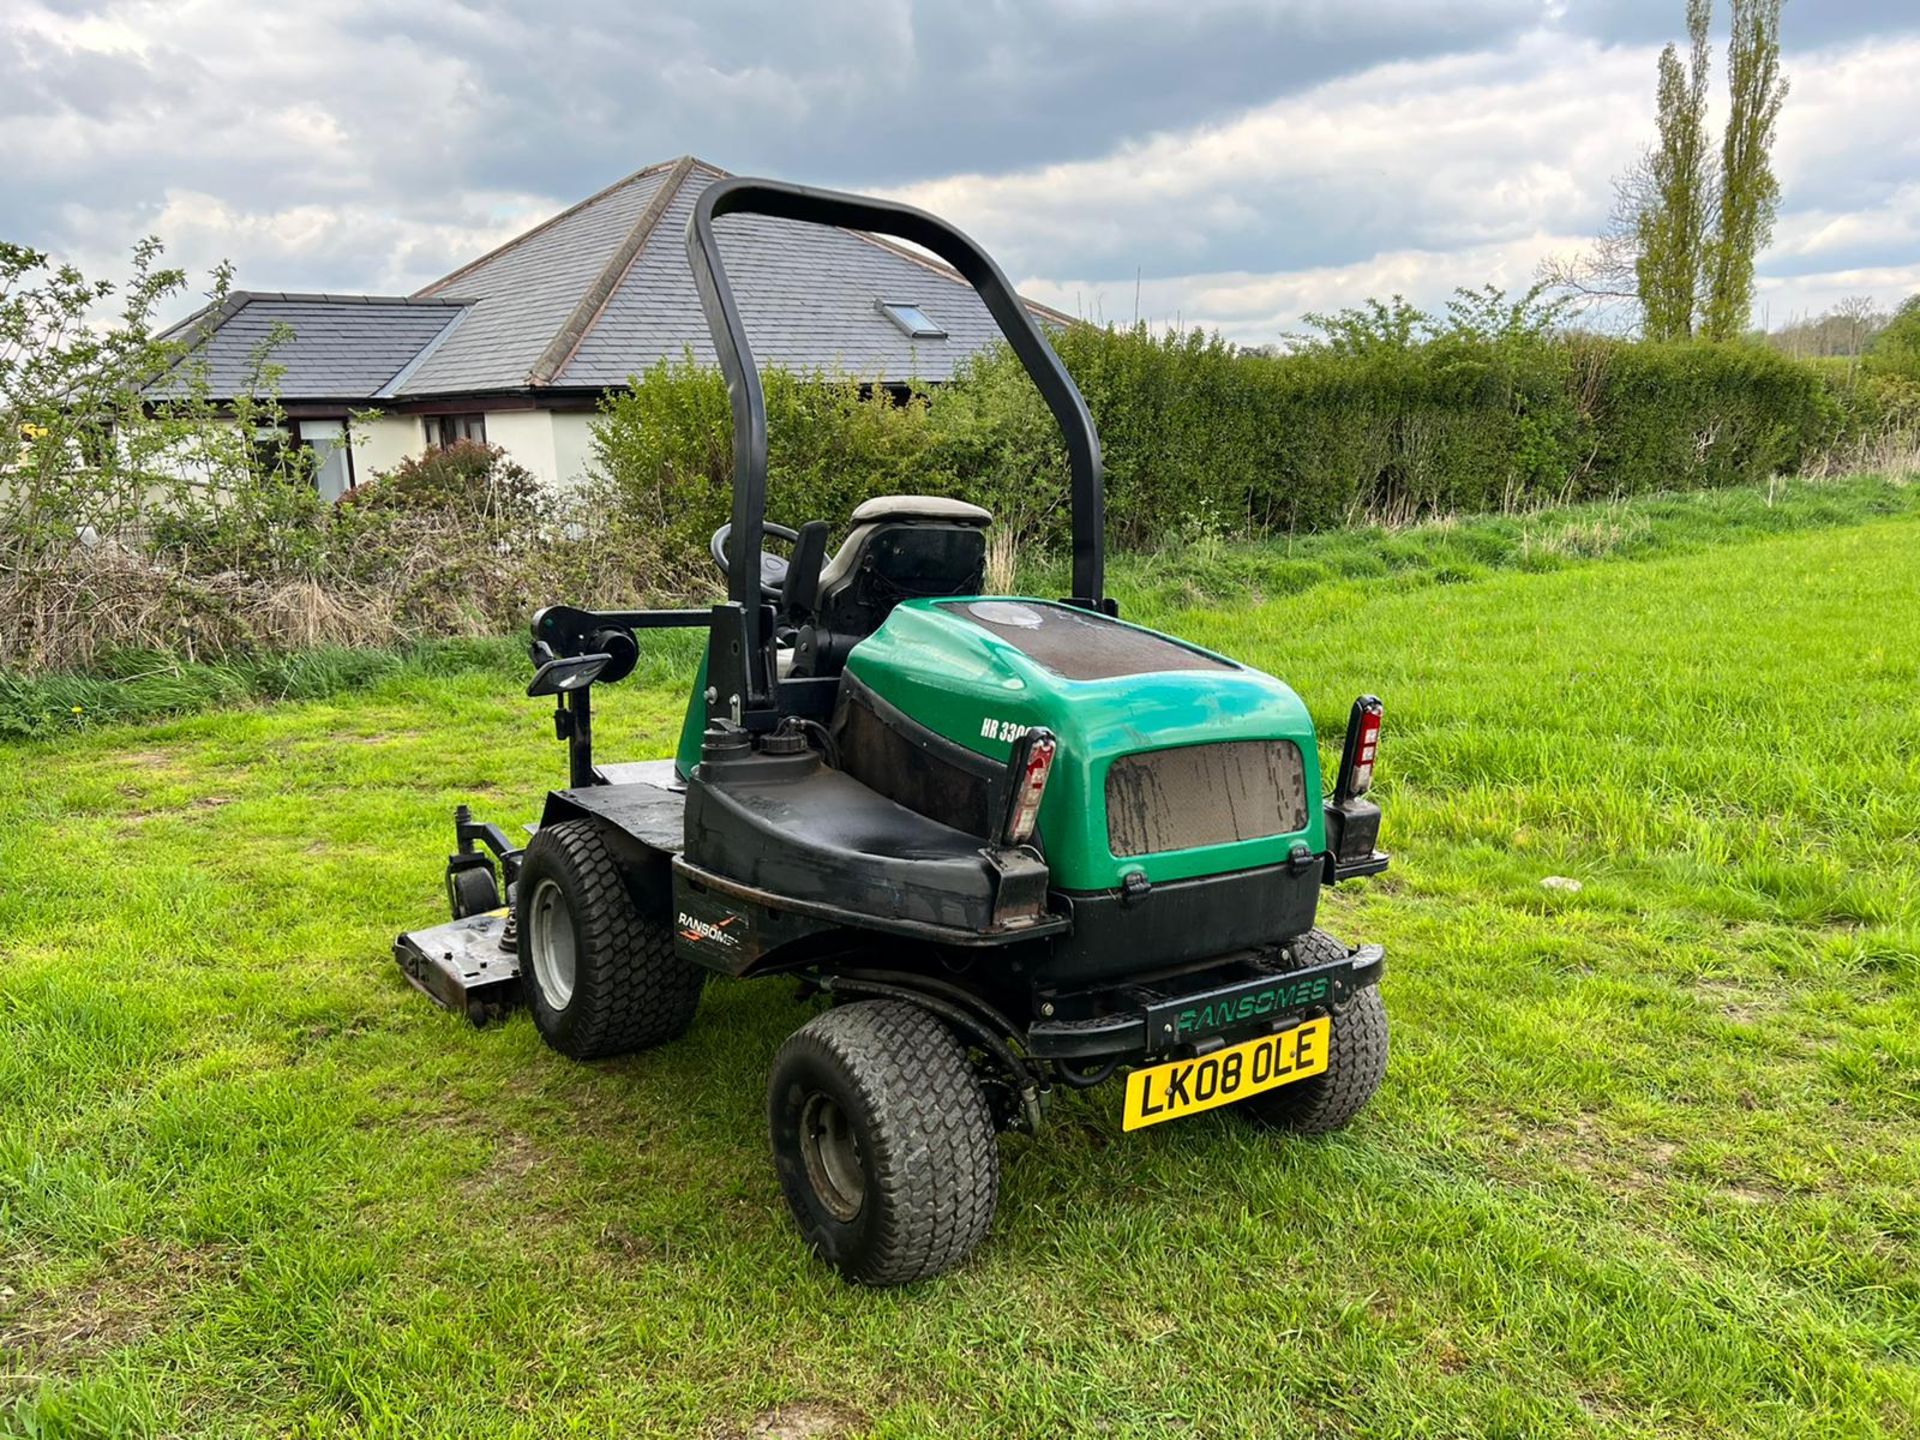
[550, 939]
[832, 1154]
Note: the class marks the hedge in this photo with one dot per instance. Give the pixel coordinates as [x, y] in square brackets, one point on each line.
[1200, 437]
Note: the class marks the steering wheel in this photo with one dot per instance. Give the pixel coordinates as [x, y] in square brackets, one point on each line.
[773, 569]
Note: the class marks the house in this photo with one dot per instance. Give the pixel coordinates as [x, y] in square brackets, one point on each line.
[517, 347]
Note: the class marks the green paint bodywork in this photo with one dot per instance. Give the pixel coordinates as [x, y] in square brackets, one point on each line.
[687, 755]
[957, 678]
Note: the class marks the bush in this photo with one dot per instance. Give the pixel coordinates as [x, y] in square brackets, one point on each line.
[665, 449]
[1895, 351]
[137, 513]
[466, 481]
[1693, 416]
[1388, 416]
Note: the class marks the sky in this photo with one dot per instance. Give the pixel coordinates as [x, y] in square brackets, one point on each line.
[1231, 164]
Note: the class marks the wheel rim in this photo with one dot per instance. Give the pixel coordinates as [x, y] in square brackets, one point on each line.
[550, 937]
[832, 1154]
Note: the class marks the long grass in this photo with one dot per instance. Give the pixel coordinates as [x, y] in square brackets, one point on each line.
[1647, 1160]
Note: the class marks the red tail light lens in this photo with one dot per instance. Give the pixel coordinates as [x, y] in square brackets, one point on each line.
[1363, 741]
[1363, 757]
[1033, 763]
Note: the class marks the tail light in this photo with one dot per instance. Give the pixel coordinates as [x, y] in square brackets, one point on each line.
[1032, 762]
[1363, 739]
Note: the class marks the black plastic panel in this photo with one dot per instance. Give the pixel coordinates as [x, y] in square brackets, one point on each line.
[816, 835]
[888, 752]
[1077, 644]
[1179, 922]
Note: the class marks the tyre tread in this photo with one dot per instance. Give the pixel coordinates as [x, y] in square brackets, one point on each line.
[640, 992]
[1356, 1062]
[935, 1166]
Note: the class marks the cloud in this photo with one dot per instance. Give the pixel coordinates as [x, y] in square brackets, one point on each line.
[1247, 159]
[1421, 176]
[1264, 308]
[1456, 152]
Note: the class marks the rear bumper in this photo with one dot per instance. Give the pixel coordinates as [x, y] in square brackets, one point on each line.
[1353, 828]
[1178, 922]
[1242, 997]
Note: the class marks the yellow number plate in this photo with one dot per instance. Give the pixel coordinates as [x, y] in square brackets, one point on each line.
[1186, 1087]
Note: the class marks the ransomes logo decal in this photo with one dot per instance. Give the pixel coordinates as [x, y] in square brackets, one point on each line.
[1282, 995]
[695, 930]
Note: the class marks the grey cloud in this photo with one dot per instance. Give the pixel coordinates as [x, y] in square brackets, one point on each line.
[883, 93]
[432, 99]
[1806, 24]
[426, 124]
[85, 83]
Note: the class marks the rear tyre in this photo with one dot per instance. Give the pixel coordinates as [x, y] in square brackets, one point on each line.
[600, 977]
[1356, 1058]
[883, 1142]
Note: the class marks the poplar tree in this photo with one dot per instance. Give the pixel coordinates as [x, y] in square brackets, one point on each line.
[1672, 228]
[1749, 194]
[1686, 224]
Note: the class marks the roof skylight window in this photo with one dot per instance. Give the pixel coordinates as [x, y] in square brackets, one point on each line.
[912, 321]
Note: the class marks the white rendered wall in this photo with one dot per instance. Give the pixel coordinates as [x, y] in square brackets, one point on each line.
[557, 448]
[526, 435]
[383, 443]
[572, 449]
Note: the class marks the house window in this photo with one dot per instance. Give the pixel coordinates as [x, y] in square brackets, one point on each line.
[444, 430]
[912, 321]
[332, 456]
[270, 446]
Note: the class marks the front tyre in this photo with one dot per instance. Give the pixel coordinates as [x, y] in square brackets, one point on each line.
[1356, 1058]
[600, 977]
[883, 1142]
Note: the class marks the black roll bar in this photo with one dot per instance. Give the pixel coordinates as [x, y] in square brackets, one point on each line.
[743, 196]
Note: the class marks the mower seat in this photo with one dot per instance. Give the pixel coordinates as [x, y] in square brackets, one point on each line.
[901, 547]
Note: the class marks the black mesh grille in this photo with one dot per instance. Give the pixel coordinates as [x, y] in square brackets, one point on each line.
[1215, 794]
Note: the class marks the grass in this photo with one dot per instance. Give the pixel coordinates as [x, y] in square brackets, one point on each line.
[1647, 1160]
[144, 685]
[1468, 547]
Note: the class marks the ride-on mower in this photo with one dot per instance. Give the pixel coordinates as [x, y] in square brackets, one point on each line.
[1018, 844]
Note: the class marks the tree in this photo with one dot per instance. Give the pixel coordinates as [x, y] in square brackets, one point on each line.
[1672, 228]
[1680, 241]
[1604, 281]
[1846, 331]
[1896, 349]
[107, 425]
[1749, 194]
[1857, 316]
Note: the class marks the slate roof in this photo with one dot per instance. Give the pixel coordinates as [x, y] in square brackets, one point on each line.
[599, 292]
[343, 347]
[528, 290]
[807, 294]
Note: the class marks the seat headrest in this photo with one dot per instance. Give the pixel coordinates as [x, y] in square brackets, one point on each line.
[920, 507]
